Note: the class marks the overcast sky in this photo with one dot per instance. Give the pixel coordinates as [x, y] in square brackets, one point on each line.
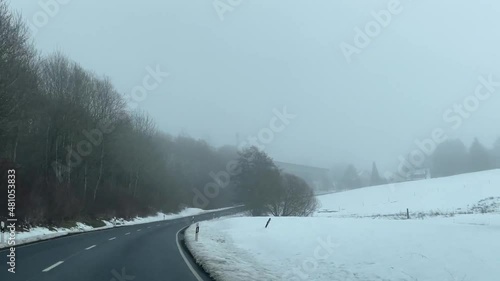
[227, 76]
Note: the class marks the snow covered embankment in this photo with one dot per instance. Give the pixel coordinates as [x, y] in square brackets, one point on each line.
[344, 246]
[43, 233]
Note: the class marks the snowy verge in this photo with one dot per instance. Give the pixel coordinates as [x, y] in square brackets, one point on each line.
[43, 233]
[329, 249]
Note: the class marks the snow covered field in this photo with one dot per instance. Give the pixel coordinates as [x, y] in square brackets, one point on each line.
[43, 233]
[452, 195]
[351, 245]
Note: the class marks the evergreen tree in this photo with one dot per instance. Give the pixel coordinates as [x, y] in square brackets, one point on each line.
[479, 158]
[375, 178]
[450, 158]
[258, 180]
[351, 178]
[496, 155]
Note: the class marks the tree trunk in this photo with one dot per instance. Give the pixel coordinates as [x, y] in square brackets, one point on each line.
[85, 182]
[14, 153]
[58, 172]
[136, 180]
[47, 145]
[16, 142]
[130, 183]
[100, 171]
[69, 166]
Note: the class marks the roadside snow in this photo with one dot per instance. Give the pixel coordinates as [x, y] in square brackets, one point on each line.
[43, 233]
[329, 249]
[456, 240]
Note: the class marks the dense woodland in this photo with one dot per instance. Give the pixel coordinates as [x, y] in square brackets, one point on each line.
[80, 153]
[76, 148]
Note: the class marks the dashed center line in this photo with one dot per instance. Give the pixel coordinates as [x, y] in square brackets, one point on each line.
[139, 229]
[52, 266]
[112, 238]
[90, 247]
[157, 225]
[127, 233]
[149, 226]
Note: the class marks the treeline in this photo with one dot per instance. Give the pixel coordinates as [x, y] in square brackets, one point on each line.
[349, 177]
[449, 158]
[79, 152]
[454, 157]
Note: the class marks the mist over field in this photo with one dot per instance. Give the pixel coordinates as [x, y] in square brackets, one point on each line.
[249, 140]
[228, 70]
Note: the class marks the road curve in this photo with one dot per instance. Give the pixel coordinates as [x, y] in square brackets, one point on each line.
[140, 252]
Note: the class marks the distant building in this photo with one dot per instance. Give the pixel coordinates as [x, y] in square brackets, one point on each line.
[420, 174]
[318, 178]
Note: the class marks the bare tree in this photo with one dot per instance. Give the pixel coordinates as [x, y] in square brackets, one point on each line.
[296, 198]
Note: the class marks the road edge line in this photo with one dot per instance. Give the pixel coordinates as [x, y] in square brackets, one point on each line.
[196, 275]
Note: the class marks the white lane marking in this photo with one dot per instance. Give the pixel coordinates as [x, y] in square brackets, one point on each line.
[139, 229]
[90, 247]
[149, 226]
[157, 225]
[185, 259]
[112, 238]
[127, 233]
[52, 266]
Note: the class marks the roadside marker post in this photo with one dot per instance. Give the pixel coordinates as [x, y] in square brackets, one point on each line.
[197, 231]
[268, 221]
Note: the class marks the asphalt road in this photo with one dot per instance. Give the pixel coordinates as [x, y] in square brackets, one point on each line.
[146, 252]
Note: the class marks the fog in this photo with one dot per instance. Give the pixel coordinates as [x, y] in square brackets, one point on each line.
[230, 71]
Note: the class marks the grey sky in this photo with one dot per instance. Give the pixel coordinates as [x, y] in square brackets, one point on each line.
[226, 77]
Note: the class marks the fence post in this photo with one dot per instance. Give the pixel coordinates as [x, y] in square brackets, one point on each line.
[407, 213]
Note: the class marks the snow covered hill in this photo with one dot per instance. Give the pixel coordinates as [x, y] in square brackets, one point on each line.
[454, 237]
[446, 196]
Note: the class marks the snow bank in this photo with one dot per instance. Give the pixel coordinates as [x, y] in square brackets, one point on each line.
[328, 249]
[43, 233]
